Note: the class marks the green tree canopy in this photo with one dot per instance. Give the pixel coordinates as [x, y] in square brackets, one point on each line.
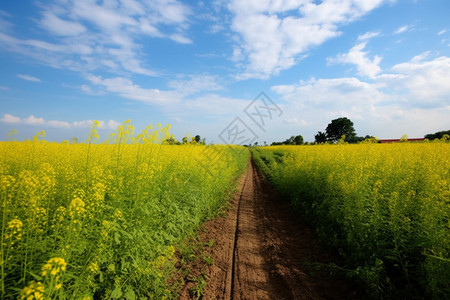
[339, 127]
[298, 140]
[320, 137]
[293, 140]
[436, 135]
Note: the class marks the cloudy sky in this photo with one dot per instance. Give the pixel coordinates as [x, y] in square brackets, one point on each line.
[199, 65]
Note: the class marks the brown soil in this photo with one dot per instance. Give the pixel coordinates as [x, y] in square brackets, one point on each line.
[262, 251]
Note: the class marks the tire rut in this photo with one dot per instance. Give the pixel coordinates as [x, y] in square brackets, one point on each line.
[262, 251]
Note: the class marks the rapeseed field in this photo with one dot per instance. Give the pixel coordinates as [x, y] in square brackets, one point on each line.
[103, 221]
[384, 207]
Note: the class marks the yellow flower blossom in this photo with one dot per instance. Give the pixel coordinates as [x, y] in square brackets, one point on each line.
[93, 267]
[35, 290]
[54, 266]
[76, 207]
[171, 250]
[14, 230]
[6, 181]
[118, 214]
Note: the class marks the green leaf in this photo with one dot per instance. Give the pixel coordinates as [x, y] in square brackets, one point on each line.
[35, 276]
[116, 237]
[117, 293]
[130, 295]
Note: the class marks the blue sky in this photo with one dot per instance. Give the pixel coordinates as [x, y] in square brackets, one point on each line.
[199, 65]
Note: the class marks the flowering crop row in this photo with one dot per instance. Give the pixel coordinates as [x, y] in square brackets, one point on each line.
[385, 207]
[84, 221]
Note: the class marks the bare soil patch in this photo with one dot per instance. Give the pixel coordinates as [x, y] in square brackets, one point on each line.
[262, 251]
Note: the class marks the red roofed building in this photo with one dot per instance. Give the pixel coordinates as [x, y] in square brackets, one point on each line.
[399, 140]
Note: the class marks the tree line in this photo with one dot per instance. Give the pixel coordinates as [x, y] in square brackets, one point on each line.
[342, 130]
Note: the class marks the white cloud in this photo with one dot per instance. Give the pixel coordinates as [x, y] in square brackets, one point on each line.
[127, 89]
[237, 54]
[410, 97]
[4, 88]
[32, 120]
[149, 29]
[196, 83]
[274, 34]
[86, 124]
[88, 90]
[442, 31]
[169, 11]
[112, 124]
[35, 121]
[186, 95]
[10, 119]
[42, 45]
[59, 124]
[368, 35]
[180, 39]
[91, 35]
[366, 66]
[329, 93]
[4, 24]
[211, 105]
[58, 26]
[28, 77]
[402, 29]
[425, 80]
[54, 55]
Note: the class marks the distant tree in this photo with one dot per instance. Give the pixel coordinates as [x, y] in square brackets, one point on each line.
[74, 140]
[289, 141]
[171, 141]
[355, 139]
[293, 140]
[370, 140]
[437, 135]
[320, 137]
[298, 140]
[197, 138]
[339, 127]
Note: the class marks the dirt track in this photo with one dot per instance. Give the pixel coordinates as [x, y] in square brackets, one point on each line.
[261, 252]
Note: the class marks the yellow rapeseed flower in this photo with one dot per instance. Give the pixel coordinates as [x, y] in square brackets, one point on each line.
[6, 181]
[54, 266]
[93, 267]
[15, 229]
[76, 207]
[35, 290]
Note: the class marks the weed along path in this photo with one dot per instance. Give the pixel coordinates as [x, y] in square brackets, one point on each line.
[260, 251]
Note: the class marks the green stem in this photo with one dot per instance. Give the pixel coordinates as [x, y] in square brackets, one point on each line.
[2, 254]
[87, 165]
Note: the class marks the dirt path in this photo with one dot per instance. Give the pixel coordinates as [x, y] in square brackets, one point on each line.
[262, 252]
